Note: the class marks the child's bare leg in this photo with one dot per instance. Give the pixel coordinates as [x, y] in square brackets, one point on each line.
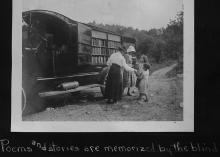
[128, 92]
[146, 95]
[133, 89]
[140, 96]
[124, 90]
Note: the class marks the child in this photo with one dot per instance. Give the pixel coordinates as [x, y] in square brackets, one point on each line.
[143, 75]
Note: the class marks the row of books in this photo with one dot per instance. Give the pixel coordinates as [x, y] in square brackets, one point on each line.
[99, 48]
[98, 42]
[102, 43]
[99, 51]
[102, 51]
[99, 59]
[111, 51]
[113, 44]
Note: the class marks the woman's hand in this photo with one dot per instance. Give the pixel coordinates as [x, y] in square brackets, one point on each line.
[135, 71]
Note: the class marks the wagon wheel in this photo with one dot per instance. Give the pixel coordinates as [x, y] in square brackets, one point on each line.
[31, 101]
[103, 86]
[103, 78]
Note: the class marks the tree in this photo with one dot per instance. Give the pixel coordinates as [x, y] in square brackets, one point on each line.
[173, 35]
[145, 45]
[158, 50]
[158, 44]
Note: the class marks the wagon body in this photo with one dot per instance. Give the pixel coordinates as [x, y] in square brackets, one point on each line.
[57, 49]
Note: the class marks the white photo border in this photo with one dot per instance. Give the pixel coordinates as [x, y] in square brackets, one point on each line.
[187, 125]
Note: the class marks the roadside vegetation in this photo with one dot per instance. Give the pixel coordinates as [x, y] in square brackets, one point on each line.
[162, 46]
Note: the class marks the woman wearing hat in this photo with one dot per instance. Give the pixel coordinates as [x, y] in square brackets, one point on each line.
[114, 82]
[129, 77]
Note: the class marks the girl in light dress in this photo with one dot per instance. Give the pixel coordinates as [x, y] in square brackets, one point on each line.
[142, 84]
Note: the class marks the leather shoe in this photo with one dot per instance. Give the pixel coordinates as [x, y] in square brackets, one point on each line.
[129, 94]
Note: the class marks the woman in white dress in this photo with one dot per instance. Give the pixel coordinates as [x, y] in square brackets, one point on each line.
[114, 82]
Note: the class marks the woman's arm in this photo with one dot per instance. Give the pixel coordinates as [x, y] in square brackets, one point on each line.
[126, 67]
[141, 75]
[109, 62]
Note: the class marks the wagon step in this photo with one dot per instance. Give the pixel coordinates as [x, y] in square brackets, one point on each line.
[80, 88]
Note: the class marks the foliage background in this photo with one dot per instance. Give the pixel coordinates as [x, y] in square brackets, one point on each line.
[160, 45]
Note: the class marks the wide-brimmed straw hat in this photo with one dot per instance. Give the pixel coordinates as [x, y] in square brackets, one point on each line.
[131, 49]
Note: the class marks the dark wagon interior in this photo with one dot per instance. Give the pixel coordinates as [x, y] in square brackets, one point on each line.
[49, 36]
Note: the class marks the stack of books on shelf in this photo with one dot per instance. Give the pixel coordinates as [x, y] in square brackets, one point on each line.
[98, 60]
[99, 51]
[113, 44]
[96, 51]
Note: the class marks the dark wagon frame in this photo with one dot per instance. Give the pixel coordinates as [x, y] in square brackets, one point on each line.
[58, 50]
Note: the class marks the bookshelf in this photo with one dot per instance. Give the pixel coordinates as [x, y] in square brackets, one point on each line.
[114, 41]
[99, 51]
[112, 47]
[103, 45]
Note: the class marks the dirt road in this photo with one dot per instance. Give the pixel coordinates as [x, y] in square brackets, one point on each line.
[165, 96]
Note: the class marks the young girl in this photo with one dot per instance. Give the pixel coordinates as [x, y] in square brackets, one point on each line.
[143, 75]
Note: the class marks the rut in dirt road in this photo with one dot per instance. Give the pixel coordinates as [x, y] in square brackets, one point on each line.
[162, 72]
[165, 94]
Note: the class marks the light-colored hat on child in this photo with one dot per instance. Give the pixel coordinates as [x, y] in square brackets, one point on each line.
[131, 49]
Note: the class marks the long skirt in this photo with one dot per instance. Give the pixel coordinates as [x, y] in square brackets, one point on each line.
[129, 79]
[114, 84]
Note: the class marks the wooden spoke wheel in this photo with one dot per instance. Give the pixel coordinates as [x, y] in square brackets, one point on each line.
[31, 101]
[103, 78]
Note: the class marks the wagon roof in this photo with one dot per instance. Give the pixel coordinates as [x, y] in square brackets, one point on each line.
[70, 21]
